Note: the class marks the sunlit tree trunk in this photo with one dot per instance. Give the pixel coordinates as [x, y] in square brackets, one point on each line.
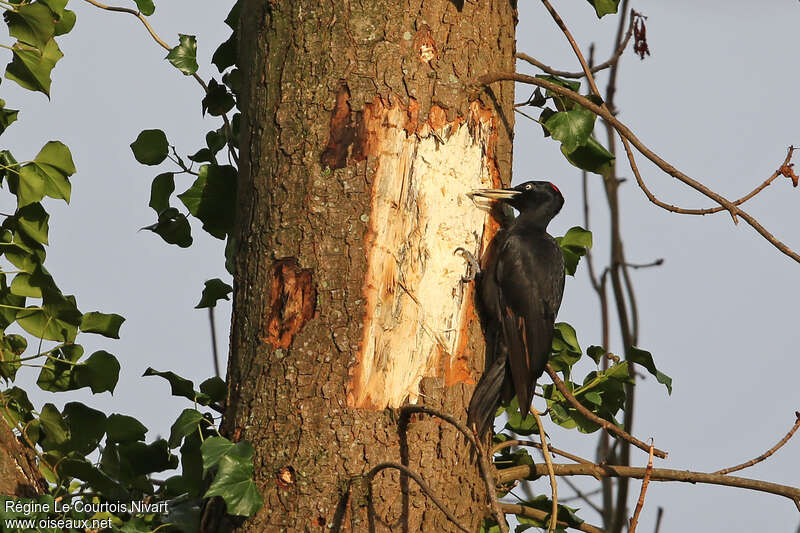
[359, 139]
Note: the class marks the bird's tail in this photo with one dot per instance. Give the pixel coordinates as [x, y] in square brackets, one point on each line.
[486, 397]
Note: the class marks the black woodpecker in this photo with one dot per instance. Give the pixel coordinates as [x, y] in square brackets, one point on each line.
[520, 289]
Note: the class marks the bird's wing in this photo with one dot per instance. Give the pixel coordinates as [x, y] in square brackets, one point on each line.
[530, 279]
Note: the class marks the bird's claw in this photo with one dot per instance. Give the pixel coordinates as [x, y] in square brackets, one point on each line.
[474, 266]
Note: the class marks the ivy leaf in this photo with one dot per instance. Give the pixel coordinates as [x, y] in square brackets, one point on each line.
[162, 188]
[56, 320]
[56, 374]
[7, 117]
[604, 7]
[31, 67]
[86, 427]
[65, 23]
[234, 483]
[173, 227]
[572, 127]
[225, 54]
[192, 464]
[32, 24]
[212, 198]
[644, 358]
[178, 385]
[214, 290]
[146, 7]
[47, 175]
[141, 459]
[217, 100]
[86, 471]
[33, 221]
[213, 449]
[150, 147]
[54, 429]
[100, 372]
[11, 348]
[591, 157]
[106, 325]
[574, 245]
[214, 388]
[188, 421]
[122, 428]
[184, 56]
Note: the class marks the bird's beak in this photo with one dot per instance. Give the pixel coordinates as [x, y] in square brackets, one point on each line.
[494, 194]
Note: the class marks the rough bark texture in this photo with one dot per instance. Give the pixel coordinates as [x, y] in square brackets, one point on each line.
[19, 473]
[344, 304]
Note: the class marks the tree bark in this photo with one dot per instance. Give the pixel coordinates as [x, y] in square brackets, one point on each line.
[359, 140]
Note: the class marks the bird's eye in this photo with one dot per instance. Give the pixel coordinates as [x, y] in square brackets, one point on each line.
[528, 187]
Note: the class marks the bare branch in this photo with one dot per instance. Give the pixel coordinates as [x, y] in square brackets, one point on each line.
[602, 66]
[605, 424]
[627, 135]
[513, 508]
[509, 443]
[658, 474]
[640, 504]
[549, 462]
[766, 454]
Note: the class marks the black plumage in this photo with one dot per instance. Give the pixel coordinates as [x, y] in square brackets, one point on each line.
[520, 288]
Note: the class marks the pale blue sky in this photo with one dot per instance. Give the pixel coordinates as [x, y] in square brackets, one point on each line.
[717, 98]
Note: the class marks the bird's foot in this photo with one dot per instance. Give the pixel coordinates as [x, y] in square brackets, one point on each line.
[474, 266]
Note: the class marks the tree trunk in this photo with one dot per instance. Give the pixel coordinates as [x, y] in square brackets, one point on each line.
[359, 139]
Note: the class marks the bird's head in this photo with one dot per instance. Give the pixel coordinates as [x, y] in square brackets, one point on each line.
[540, 197]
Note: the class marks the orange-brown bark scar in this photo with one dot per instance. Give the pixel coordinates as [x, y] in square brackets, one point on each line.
[292, 301]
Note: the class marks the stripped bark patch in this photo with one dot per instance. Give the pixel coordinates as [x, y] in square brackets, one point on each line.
[417, 309]
[292, 300]
[342, 132]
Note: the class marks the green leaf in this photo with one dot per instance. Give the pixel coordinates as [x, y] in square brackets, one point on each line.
[596, 353]
[56, 6]
[179, 386]
[17, 406]
[44, 324]
[591, 157]
[31, 67]
[46, 175]
[203, 155]
[566, 350]
[234, 483]
[122, 428]
[7, 117]
[54, 429]
[644, 358]
[145, 459]
[11, 348]
[162, 188]
[214, 388]
[8, 303]
[85, 471]
[33, 24]
[150, 147]
[192, 464]
[521, 425]
[146, 7]
[173, 227]
[65, 23]
[188, 421]
[213, 449]
[184, 56]
[217, 100]
[215, 140]
[21, 286]
[604, 7]
[214, 290]
[574, 245]
[100, 372]
[106, 325]
[572, 128]
[56, 373]
[33, 221]
[86, 427]
[212, 198]
[232, 20]
[225, 55]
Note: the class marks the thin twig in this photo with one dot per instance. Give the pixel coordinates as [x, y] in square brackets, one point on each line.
[507, 475]
[640, 503]
[659, 515]
[509, 443]
[583, 496]
[214, 355]
[413, 475]
[524, 510]
[605, 424]
[766, 454]
[627, 135]
[549, 462]
[564, 74]
[483, 462]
